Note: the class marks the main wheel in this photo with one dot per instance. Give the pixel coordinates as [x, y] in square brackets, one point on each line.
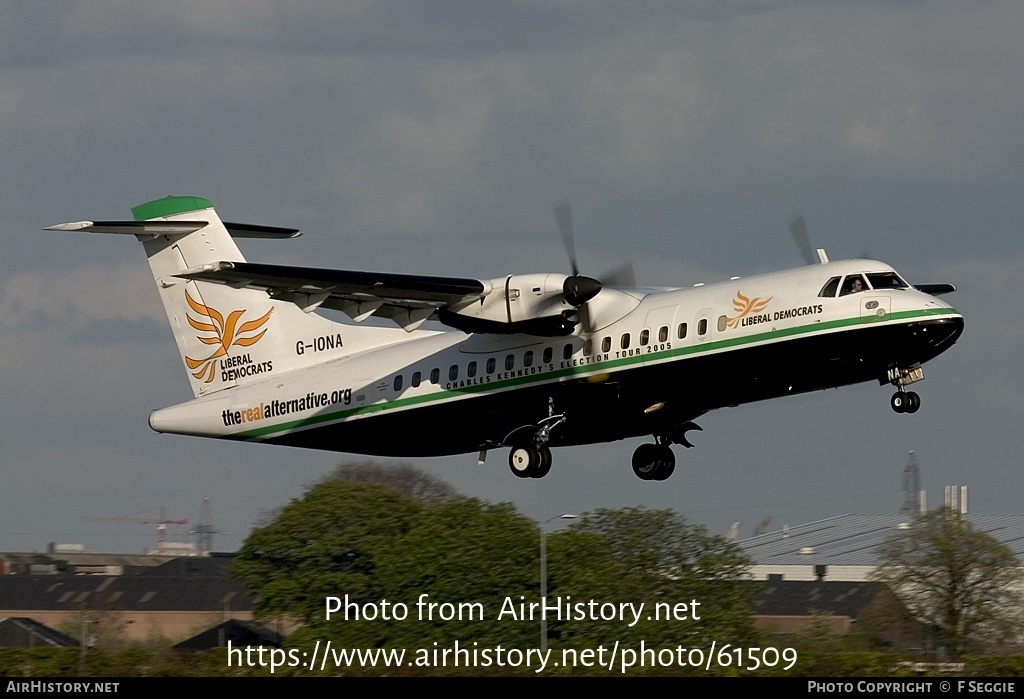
[665, 463]
[544, 464]
[645, 461]
[523, 461]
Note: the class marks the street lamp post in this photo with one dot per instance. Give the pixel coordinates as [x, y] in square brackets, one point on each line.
[544, 578]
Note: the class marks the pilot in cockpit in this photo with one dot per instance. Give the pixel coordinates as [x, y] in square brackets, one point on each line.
[852, 284]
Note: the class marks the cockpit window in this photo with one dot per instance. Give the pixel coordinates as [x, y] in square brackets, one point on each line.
[829, 290]
[853, 284]
[886, 280]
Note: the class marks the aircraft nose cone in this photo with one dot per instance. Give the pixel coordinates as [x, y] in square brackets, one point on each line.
[579, 289]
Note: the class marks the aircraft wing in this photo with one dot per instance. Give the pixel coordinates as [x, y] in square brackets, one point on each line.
[406, 299]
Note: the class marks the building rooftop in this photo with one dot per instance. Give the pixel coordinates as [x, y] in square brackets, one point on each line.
[852, 540]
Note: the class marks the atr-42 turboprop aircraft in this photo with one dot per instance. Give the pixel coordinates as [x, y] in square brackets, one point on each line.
[531, 361]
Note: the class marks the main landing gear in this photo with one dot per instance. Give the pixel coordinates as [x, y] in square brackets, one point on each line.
[656, 462]
[530, 456]
[532, 461]
[904, 401]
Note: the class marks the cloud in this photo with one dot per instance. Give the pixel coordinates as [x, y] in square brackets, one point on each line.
[78, 297]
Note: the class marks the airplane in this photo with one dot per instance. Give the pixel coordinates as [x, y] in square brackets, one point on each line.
[526, 362]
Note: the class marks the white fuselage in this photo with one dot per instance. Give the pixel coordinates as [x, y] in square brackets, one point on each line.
[629, 332]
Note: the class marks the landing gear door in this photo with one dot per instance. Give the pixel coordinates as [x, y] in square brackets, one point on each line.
[874, 309]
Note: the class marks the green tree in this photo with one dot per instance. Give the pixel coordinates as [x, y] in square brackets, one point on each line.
[376, 545]
[466, 556]
[323, 544]
[403, 477]
[655, 557]
[959, 581]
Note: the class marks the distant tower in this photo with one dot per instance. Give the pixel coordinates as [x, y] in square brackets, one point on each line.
[205, 530]
[911, 487]
[762, 527]
[734, 529]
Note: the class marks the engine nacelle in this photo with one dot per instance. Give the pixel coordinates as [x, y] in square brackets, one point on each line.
[535, 304]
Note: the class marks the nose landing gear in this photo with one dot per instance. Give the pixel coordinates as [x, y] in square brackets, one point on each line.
[904, 401]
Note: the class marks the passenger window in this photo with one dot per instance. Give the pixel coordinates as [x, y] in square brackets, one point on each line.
[471, 370]
[416, 379]
[702, 327]
[567, 351]
[492, 364]
[645, 337]
[721, 323]
[549, 353]
[510, 361]
[588, 347]
[624, 343]
[398, 382]
[682, 331]
[453, 372]
[829, 290]
[606, 344]
[853, 284]
[528, 358]
[663, 333]
[435, 375]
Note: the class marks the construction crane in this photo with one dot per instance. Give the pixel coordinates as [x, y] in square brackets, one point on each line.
[161, 523]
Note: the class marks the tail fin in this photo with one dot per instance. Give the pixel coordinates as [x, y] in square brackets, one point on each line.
[226, 336]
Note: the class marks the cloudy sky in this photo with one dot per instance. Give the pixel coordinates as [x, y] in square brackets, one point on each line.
[431, 137]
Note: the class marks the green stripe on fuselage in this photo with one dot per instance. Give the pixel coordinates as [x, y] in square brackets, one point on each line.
[595, 368]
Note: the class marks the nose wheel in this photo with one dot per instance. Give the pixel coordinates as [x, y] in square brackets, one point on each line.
[905, 402]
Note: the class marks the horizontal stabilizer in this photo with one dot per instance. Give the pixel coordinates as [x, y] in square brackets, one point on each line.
[250, 230]
[935, 289]
[155, 228]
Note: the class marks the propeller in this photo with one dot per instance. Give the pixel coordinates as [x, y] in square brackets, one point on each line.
[798, 229]
[623, 275]
[578, 289]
